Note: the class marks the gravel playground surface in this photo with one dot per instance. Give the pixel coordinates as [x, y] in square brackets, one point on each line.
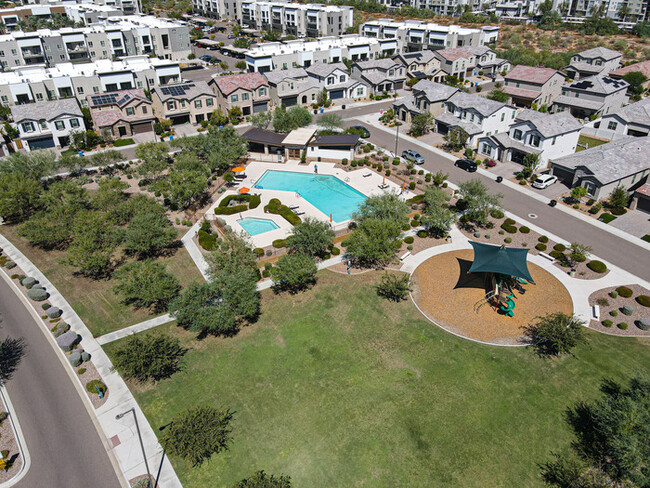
[446, 294]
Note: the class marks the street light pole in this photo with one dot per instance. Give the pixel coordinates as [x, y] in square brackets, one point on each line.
[137, 427]
[396, 134]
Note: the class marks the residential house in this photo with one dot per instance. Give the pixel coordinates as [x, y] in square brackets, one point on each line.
[248, 91]
[427, 96]
[381, 75]
[467, 61]
[631, 120]
[291, 87]
[47, 124]
[596, 61]
[186, 102]
[642, 67]
[121, 113]
[641, 198]
[600, 169]
[547, 135]
[422, 65]
[592, 96]
[528, 85]
[477, 116]
[334, 78]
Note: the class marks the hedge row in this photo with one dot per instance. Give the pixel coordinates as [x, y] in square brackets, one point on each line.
[276, 207]
[252, 201]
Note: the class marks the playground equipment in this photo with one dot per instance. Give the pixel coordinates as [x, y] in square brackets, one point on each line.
[509, 306]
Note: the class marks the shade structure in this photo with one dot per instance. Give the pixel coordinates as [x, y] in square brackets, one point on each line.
[238, 169]
[500, 259]
[244, 190]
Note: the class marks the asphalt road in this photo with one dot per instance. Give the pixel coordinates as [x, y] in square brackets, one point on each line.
[64, 446]
[619, 251]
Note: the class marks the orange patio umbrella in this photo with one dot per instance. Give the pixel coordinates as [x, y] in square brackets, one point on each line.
[238, 169]
[244, 190]
[331, 218]
[383, 181]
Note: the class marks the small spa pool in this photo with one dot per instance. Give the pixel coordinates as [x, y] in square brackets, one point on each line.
[257, 226]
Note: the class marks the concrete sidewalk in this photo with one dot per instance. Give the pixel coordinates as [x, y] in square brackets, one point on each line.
[121, 434]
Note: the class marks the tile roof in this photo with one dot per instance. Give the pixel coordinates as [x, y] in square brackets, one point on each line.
[324, 69]
[45, 110]
[612, 161]
[453, 121]
[455, 53]
[550, 125]
[384, 63]
[521, 92]
[600, 84]
[247, 81]
[643, 190]
[578, 102]
[635, 113]
[482, 105]
[193, 90]
[277, 76]
[107, 118]
[531, 74]
[408, 102]
[600, 52]
[504, 140]
[643, 67]
[435, 92]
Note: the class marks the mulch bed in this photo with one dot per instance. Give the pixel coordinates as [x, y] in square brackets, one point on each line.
[447, 296]
[616, 304]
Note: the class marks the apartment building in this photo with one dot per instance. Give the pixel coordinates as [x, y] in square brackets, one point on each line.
[296, 19]
[118, 37]
[381, 75]
[248, 91]
[185, 102]
[270, 56]
[47, 124]
[527, 85]
[414, 35]
[591, 62]
[124, 6]
[85, 13]
[596, 95]
[547, 135]
[121, 113]
[67, 80]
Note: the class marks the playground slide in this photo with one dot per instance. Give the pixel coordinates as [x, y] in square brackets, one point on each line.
[509, 307]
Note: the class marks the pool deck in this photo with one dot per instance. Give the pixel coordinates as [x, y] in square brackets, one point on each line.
[368, 185]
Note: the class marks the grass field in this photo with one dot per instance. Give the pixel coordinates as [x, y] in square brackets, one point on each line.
[94, 300]
[588, 141]
[338, 388]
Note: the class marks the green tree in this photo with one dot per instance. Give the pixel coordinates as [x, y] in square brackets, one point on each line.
[154, 156]
[546, 6]
[394, 287]
[330, 121]
[93, 245]
[148, 356]
[235, 114]
[421, 124]
[374, 241]
[311, 237]
[641, 29]
[262, 120]
[293, 272]
[636, 79]
[12, 352]
[198, 433]
[147, 234]
[578, 193]
[271, 35]
[456, 138]
[84, 140]
[260, 479]
[241, 65]
[241, 43]
[233, 255]
[145, 284]
[556, 333]
[579, 253]
[437, 217]
[619, 198]
[35, 164]
[322, 98]
[10, 131]
[499, 96]
[19, 196]
[287, 120]
[385, 207]
[218, 118]
[181, 188]
[479, 201]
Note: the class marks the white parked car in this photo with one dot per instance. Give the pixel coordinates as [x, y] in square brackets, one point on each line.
[544, 181]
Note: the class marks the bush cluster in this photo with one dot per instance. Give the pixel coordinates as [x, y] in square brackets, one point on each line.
[207, 241]
[251, 201]
[597, 266]
[607, 323]
[643, 300]
[624, 291]
[279, 243]
[509, 227]
[524, 230]
[543, 239]
[497, 214]
[276, 207]
[556, 255]
[540, 247]
[559, 247]
[93, 385]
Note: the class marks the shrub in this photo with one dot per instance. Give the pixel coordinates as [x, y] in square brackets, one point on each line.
[622, 326]
[276, 207]
[406, 227]
[422, 233]
[148, 356]
[266, 273]
[624, 291]
[613, 313]
[230, 210]
[597, 266]
[94, 385]
[414, 223]
[38, 294]
[409, 239]
[603, 302]
[543, 239]
[207, 241]
[489, 225]
[595, 209]
[336, 251]
[81, 371]
[393, 287]
[45, 306]
[10, 265]
[412, 185]
[559, 247]
[509, 228]
[643, 300]
[524, 230]
[613, 294]
[556, 255]
[556, 333]
[540, 247]
[607, 323]
[497, 214]
[279, 243]
[627, 310]
[618, 211]
[259, 252]
[507, 240]
[409, 247]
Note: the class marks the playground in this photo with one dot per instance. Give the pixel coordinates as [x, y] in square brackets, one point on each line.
[486, 306]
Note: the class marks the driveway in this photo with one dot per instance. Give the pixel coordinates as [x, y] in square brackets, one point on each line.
[633, 222]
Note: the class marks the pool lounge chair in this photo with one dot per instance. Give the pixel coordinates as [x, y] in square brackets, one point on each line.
[293, 207]
[366, 175]
[383, 187]
[300, 213]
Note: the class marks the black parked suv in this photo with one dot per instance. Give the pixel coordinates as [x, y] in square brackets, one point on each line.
[467, 165]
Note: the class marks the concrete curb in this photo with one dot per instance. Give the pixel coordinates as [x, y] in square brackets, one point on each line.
[20, 440]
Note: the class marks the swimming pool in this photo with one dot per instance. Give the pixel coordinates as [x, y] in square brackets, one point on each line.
[257, 226]
[325, 192]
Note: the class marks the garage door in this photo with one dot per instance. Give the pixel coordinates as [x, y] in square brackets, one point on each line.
[643, 205]
[141, 128]
[336, 94]
[259, 107]
[44, 143]
[565, 176]
[290, 101]
[180, 119]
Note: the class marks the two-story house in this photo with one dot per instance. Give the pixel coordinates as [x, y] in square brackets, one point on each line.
[381, 75]
[466, 61]
[121, 113]
[477, 116]
[248, 91]
[631, 120]
[334, 78]
[423, 65]
[292, 86]
[596, 61]
[591, 96]
[527, 85]
[548, 135]
[427, 96]
[642, 67]
[47, 124]
[187, 102]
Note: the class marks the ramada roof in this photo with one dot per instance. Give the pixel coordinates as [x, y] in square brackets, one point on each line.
[531, 74]
[247, 81]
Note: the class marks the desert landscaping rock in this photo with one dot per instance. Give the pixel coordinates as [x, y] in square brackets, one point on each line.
[75, 359]
[38, 294]
[67, 341]
[61, 328]
[643, 324]
[85, 356]
[53, 312]
[29, 282]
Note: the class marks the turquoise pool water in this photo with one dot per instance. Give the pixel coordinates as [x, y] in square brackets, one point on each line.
[257, 226]
[325, 192]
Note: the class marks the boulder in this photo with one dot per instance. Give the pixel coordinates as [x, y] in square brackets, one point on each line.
[627, 310]
[67, 340]
[53, 312]
[60, 329]
[643, 324]
[38, 287]
[75, 359]
[85, 356]
[29, 282]
[37, 294]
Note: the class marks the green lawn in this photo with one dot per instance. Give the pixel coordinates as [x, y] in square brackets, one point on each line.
[94, 300]
[586, 140]
[338, 388]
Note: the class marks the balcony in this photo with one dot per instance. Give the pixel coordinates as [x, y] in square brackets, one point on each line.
[76, 47]
[32, 52]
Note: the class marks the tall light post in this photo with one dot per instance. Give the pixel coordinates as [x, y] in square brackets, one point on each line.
[137, 427]
[396, 134]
